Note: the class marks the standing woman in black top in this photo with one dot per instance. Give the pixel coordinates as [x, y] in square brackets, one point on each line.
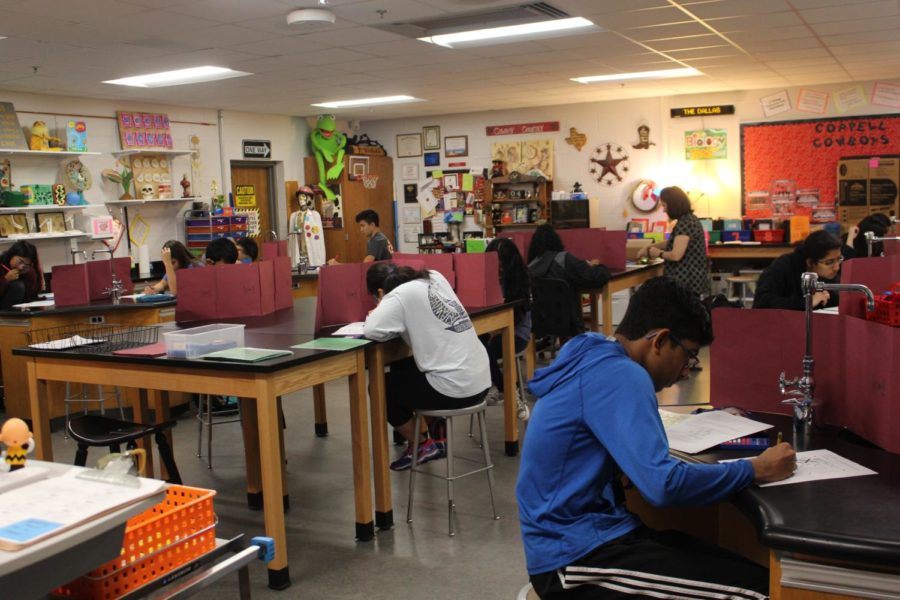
[684, 252]
[21, 278]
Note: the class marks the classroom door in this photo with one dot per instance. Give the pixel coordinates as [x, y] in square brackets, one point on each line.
[251, 186]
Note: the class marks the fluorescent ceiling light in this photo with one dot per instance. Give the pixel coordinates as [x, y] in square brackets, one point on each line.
[448, 40]
[664, 74]
[368, 101]
[179, 77]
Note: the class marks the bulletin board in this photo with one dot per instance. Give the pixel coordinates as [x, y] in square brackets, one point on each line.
[807, 151]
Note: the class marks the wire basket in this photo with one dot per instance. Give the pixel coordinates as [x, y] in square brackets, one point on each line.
[85, 338]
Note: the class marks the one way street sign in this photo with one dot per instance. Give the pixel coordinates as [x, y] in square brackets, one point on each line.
[257, 148]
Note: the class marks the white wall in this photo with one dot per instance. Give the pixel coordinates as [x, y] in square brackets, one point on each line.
[289, 144]
[718, 180]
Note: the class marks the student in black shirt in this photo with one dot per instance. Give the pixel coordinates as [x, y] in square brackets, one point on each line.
[379, 246]
[779, 284]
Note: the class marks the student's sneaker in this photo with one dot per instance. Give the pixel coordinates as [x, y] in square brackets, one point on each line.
[522, 410]
[438, 432]
[494, 397]
[428, 451]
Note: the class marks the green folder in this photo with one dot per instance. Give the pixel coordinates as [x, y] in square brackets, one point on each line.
[246, 355]
[332, 343]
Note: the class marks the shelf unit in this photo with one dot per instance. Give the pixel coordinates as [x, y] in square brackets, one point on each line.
[532, 195]
[123, 205]
[136, 152]
[69, 235]
[8, 210]
[48, 153]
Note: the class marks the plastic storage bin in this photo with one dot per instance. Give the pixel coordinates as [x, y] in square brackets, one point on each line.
[769, 236]
[197, 341]
[157, 541]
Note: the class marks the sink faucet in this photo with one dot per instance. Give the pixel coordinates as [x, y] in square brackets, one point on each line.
[871, 239]
[802, 389]
[115, 290]
[108, 250]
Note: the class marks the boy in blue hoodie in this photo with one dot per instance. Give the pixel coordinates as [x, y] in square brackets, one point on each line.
[597, 418]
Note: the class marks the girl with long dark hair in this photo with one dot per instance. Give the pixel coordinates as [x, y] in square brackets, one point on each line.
[174, 256]
[21, 277]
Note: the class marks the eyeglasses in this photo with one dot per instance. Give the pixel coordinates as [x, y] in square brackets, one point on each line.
[693, 355]
[831, 261]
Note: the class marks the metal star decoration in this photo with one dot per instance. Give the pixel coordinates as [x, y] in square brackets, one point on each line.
[612, 159]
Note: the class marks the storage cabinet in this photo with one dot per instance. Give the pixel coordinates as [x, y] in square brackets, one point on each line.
[517, 202]
[347, 242]
[201, 227]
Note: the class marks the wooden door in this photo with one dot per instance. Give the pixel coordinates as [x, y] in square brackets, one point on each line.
[250, 185]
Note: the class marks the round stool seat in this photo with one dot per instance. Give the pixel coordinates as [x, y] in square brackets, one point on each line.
[454, 412]
[95, 430]
[741, 278]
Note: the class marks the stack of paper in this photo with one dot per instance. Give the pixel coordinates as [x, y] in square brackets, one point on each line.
[66, 343]
[696, 433]
[246, 355]
[351, 329]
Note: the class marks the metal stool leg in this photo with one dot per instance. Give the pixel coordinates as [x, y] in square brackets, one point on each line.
[489, 466]
[450, 505]
[200, 399]
[165, 455]
[118, 394]
[209, 428]
[81, 455]
[414, 467]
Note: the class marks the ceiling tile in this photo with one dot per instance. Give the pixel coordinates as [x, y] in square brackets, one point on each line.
[856, 26]
[870, 10]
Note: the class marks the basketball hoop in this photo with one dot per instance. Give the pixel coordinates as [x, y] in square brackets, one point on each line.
[369, 181]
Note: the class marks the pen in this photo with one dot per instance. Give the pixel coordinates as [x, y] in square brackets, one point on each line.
[779, 438]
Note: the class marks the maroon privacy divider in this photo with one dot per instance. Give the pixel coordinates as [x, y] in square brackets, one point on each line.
[857, 381]
[342, 296]
[197, 298]
[276, 248]
[877, 273]
[606, 246]
[522, 240]
[478, 279]
[100, 276]
[70, 285]
[243, 290]
[442, 263]
[284, 283]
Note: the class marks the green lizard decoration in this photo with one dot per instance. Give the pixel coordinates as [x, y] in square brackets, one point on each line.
[328, 146]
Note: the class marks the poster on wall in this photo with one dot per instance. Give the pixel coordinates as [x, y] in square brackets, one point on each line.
[849, 98]
[886, 94]
[775, 104]
[808, 151]
[812, 101]
[11, 136]
[144, 130]
[526, 156]
[705, 144]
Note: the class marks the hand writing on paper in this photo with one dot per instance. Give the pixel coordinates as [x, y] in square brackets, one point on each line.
[820, 298]
[775, 464]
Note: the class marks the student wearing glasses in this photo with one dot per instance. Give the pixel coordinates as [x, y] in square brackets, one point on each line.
[597, 420]
[779, 284]
[21, 278]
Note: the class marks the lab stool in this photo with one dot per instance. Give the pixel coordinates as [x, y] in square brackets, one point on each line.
[527, 593]
[478, 410]
[100, 399]
[521, 364]
[743, 282]
[97, 431]
[206, 416]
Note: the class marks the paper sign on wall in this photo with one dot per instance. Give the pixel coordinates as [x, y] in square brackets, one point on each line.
[704, 144]
[244, 196]
[775, 104]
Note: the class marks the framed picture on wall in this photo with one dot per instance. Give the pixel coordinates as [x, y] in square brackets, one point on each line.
[409, 172]
[432, 135]
[51, 222]
[432, 159]
[12, 224]
[409, 144]
[456, 146]
[451, 182]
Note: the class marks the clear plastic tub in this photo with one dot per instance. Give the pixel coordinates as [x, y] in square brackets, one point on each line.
[197, 341]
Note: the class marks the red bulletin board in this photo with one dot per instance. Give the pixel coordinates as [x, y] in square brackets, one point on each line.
[808, 151]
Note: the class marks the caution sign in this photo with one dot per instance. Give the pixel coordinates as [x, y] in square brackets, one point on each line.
[245, 196]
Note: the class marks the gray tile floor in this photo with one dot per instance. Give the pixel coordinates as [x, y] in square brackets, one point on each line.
[418, 560]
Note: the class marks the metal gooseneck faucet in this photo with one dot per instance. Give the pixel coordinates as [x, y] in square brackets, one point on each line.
[871, 239]
[803, 388]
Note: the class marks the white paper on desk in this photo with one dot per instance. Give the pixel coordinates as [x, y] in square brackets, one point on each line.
[351, 329]
[35, 304]
[708, 429]
[133, 296]
[15, 479]
[817, 465]
[831, 310]
[56, 504]
[66, 343]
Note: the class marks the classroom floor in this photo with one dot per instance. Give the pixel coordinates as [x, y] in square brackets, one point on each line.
[419, 560]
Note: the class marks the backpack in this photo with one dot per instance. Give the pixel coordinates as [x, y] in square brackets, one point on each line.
[554, 301]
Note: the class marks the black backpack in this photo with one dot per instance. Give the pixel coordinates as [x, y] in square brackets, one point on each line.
[553, 300]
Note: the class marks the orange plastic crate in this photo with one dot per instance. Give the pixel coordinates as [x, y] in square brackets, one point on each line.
[887, 308]
[157, 541]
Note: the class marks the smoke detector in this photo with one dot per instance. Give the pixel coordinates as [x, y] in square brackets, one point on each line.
[310, 15]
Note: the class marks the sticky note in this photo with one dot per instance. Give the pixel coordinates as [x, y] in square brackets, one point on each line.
[437, 174]
[27, 529]
[468, 182]
[873, 162]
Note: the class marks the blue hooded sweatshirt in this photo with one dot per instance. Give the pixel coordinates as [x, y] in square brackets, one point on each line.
[597, 410]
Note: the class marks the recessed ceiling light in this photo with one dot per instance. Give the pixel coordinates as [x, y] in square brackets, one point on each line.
[179, 77]
[368, 101]
[450, 40]
[663, 74]
[310, 15]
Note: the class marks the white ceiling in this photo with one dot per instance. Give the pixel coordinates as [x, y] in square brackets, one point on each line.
[69, 46]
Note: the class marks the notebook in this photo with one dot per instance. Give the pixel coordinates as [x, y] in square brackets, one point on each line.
[246, 355]
[157, 349]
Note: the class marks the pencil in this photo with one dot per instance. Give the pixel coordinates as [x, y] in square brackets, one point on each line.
[779, 438]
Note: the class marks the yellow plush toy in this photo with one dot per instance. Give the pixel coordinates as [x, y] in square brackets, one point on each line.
[41, 138]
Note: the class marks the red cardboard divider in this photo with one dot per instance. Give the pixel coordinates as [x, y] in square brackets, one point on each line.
[606, 246]
[70, 285]
[243, 290]
[342, 296]
[100, 276]
[275, 248]
[877, 273]
[442, 263]
[891, 247]
[284, 283]
[522, 240]
[478, 279]
[197, 299]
